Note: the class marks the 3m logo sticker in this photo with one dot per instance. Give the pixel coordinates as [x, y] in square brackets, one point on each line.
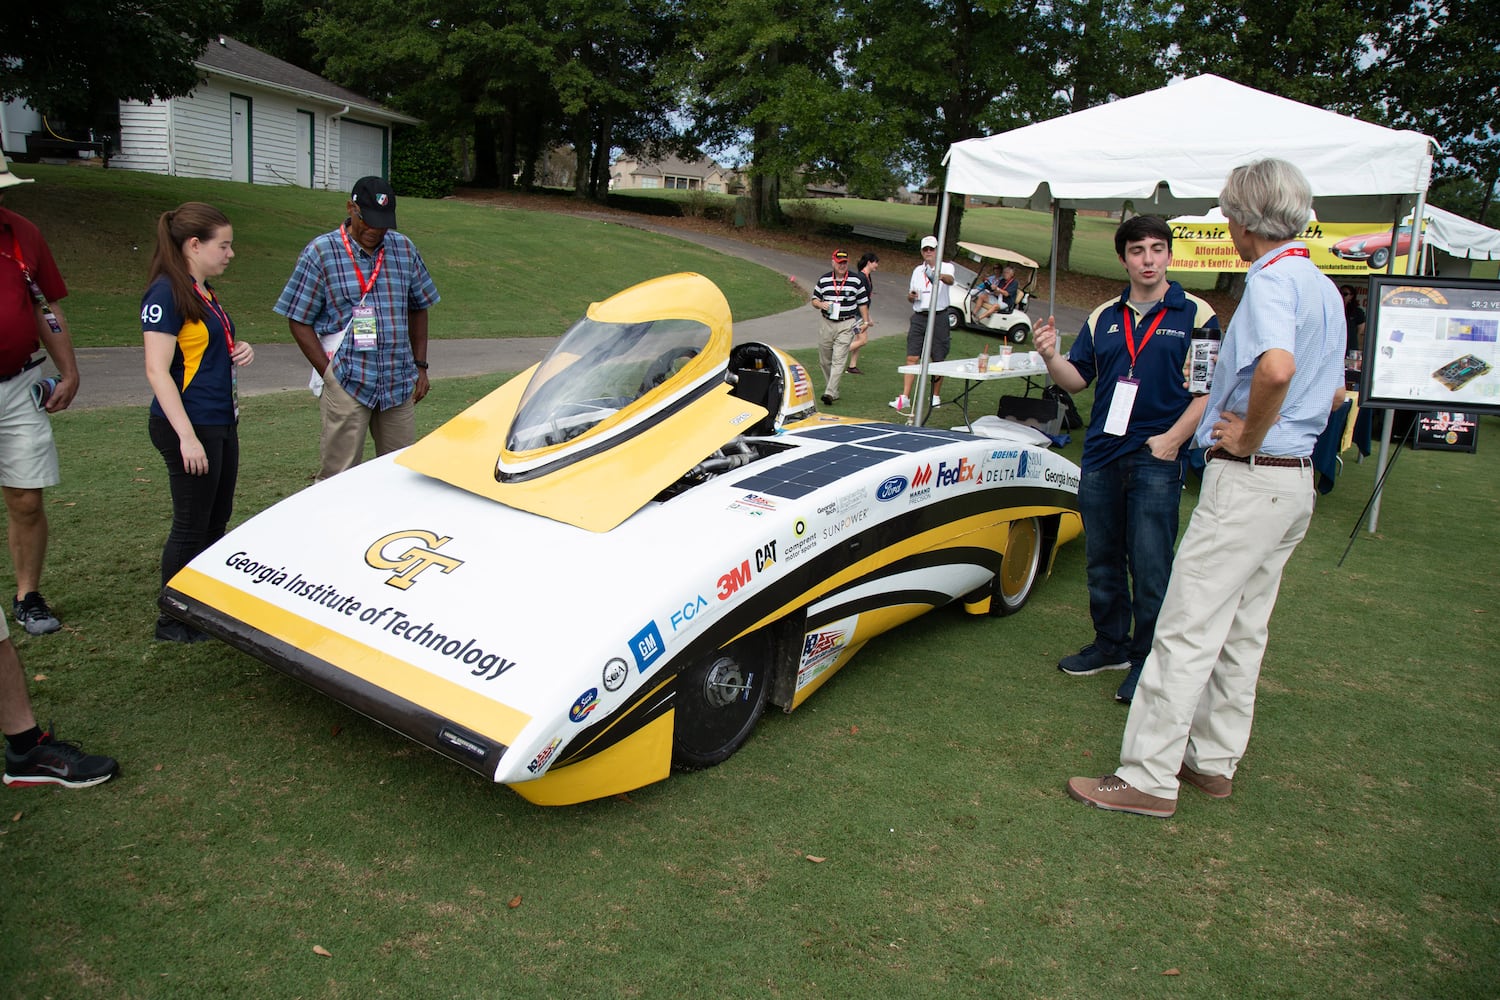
[407, 563]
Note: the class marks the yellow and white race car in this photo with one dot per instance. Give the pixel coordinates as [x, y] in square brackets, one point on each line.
[615, 561]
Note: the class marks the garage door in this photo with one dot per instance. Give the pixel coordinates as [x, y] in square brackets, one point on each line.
[361, 152]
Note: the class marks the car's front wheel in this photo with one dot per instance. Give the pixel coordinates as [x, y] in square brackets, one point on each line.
[1019, 567]
[719, 699]
[1018, 333]
[1379, 258]
[955, 317]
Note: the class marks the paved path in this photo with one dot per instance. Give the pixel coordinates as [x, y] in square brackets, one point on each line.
[115, 376]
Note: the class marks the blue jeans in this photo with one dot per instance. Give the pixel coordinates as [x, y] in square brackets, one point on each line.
[1129, 512]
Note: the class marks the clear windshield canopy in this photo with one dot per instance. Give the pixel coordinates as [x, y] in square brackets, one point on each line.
[597, 370]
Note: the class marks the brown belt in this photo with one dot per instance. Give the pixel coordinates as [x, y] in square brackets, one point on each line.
[1269, 461]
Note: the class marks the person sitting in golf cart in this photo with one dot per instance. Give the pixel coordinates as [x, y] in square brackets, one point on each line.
[997, 293]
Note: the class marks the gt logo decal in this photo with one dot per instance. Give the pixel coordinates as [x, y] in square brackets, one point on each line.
[413, 560]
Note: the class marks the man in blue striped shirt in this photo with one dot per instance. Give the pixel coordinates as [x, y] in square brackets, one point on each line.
[357, 305]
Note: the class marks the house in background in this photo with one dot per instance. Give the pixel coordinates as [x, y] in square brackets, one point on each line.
[673, 172]
[255, 118]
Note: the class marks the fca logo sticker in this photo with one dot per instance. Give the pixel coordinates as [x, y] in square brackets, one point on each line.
[413, 559]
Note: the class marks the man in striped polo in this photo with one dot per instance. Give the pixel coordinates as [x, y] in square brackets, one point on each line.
[843, 299]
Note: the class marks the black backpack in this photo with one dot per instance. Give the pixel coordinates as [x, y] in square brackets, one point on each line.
[1071, 420]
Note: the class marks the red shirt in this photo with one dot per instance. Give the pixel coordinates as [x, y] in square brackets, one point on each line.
[18, 322]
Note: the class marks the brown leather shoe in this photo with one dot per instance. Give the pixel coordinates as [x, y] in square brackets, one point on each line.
[1110, 792]
[1213, 785]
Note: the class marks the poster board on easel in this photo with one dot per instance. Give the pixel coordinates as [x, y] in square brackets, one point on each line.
[1432, 344]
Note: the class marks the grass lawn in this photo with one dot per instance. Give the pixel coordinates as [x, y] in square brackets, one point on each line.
[257, 820]
[502, 272]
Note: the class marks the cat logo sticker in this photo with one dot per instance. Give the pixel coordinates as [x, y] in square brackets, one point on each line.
[406, 563]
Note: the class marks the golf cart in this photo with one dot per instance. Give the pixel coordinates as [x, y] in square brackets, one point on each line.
[967, 290]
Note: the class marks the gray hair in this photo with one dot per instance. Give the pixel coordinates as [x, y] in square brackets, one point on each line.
[1270, 198]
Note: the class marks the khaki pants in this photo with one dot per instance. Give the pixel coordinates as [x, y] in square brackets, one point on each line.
[1196, 696]
[346, 422]
[833, 351]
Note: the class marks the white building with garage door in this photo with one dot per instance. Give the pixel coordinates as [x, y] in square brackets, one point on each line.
[257, 119]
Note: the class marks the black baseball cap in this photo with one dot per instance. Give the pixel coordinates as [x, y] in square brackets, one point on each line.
[376, 201]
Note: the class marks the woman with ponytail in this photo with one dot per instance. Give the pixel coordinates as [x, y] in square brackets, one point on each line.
[191, 355]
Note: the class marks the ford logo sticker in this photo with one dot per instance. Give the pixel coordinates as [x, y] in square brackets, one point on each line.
[891, 488]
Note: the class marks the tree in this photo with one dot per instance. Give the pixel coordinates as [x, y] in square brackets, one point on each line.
[1440, 74]
[940, 72]
[76, 61]
[762, 76]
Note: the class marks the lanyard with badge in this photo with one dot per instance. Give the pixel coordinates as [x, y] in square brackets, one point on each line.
[1123, 400]
[362, 326]
[228, 327]
[32, 287]
[835, 304]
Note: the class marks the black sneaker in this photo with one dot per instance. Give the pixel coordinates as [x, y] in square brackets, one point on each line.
[1126, 693]
[172, 630]
[34, 615]
[1089, 661]
[58, 762]
[828, 400]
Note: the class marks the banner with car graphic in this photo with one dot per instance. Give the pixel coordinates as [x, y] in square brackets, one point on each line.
[1337, 248]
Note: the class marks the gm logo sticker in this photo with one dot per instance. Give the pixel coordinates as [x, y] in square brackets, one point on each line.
[407, 562]
[891, 488]
[647, 646]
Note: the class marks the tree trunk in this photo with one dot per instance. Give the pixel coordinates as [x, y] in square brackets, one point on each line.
[599, 175]
[1067, 221]
[582, 155]
[955, 220]
[486, 170]
[508, 149]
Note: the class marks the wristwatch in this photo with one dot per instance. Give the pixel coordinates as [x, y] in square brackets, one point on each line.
[421, 364]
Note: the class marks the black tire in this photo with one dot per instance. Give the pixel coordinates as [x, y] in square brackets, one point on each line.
[1018, 333]
[1020, 567]
[1379, 258]
[955, 318]
[719, 699]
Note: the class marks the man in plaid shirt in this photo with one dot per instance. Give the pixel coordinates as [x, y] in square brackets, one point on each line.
[357, 305]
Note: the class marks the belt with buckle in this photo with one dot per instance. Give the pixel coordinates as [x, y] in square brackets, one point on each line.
[23, 369]
[1268, 461]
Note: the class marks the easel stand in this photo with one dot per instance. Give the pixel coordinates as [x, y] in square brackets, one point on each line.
[1379, 483]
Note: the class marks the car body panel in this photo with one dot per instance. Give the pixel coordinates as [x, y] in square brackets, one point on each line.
[535, 646]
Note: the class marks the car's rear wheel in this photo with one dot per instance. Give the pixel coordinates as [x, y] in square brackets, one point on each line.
[1020, 566]
[1018, 333]
[1379, 258]
[719, 699]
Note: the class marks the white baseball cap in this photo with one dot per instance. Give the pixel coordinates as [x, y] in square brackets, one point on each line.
[8, 179]
[929, 242]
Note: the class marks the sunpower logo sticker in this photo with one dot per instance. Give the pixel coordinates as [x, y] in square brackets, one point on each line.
[647, 646]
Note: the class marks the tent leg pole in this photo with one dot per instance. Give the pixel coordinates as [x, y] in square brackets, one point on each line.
[1052, 261]
[919, 404]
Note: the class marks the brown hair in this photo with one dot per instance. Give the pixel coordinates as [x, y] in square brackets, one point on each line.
[173, 229]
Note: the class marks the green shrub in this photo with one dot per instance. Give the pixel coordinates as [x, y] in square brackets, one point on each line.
[421, 164]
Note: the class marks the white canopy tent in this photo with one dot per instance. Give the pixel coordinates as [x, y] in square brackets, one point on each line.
[1169, 151]
[1459, 237]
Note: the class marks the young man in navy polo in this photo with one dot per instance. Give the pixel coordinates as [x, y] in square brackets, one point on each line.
[1132, 349]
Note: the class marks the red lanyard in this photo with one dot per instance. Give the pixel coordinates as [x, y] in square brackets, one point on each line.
[1135, 352]
[218, 310]
[364, 286]
[35, 290]
[1288, 252]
